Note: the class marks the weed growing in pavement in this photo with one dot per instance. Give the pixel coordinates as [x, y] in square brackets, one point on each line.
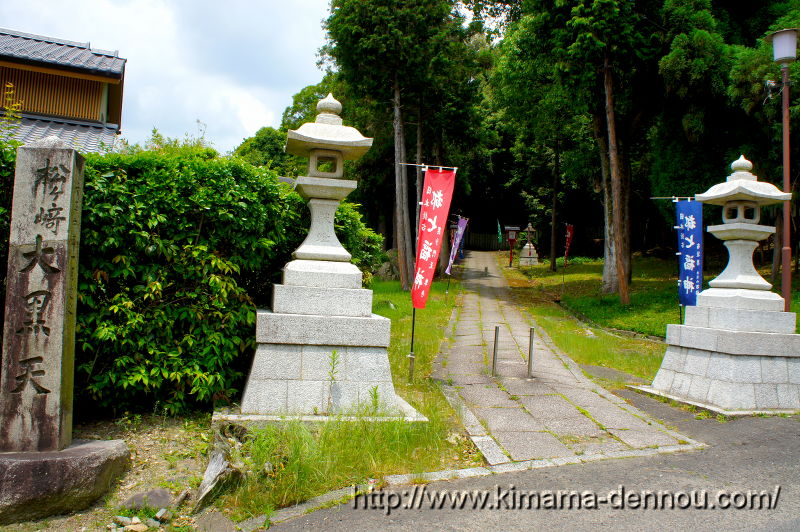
[294, 461]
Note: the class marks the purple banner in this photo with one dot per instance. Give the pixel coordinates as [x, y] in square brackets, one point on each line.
[462, 226]
[690, 250]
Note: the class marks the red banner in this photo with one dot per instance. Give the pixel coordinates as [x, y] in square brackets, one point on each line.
[570, 231]
[436, 196]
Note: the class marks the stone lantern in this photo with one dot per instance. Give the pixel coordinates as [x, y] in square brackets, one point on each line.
[741, 198]
[320, 350]
[528, 255]
[737, 351]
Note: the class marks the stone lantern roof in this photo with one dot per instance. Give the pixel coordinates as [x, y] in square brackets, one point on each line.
[742, 185]
[327, 133]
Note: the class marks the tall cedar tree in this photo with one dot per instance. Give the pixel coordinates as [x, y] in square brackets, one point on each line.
[383, 49]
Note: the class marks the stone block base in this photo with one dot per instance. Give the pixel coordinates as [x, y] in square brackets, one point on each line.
[729, 382]
[35, 485]
[292, 379]
[304, 329]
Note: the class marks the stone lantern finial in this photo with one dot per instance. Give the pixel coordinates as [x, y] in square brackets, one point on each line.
[329, 109]
[741, 170]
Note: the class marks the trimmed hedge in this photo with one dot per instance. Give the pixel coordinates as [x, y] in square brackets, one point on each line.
[178, 248]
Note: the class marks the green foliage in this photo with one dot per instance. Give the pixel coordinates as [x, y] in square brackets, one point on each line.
[9, 119]
[176, 247]
[363, 243]
[265, 148]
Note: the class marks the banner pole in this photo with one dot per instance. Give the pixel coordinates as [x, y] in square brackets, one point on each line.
[411, 357]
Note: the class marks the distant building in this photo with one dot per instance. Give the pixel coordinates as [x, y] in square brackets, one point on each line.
[66, 89]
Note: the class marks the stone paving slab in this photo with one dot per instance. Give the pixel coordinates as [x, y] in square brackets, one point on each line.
[557, 417]
[531, 445]
[508, 419]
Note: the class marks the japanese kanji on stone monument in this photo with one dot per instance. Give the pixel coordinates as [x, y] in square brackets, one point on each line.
[39, 334]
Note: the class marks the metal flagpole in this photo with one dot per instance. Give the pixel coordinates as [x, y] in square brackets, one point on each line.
[431, 166]
[676, 199]
[411, 357]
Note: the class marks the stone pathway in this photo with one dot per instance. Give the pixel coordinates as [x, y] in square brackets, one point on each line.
[559, 414]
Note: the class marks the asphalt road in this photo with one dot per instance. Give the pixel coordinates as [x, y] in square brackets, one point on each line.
[746, 454]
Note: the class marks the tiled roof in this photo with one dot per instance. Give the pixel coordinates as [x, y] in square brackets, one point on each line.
[59, 53]
[83, 136]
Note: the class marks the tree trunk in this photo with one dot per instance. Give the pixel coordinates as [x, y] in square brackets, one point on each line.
[617, 193]
[625, 188]
[405, 257]
[553, 228]
[610, 285]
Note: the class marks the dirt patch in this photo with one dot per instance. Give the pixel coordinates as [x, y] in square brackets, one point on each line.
[167, 453]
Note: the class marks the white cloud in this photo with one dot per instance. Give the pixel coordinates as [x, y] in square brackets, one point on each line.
[233, 65]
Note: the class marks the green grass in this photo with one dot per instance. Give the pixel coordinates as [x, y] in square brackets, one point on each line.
[653, 291]
[654, 304]
[537, 289]
[637, 356]
[307, 460]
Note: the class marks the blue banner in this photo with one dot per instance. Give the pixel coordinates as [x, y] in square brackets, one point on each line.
[690, 250]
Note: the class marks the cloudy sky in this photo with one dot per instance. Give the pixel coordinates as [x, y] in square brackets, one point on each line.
[231, 64]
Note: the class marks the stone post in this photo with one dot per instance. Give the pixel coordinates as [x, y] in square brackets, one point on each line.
[36, 384]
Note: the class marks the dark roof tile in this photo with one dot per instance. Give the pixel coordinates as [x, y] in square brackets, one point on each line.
[59, 53]
[84, 137]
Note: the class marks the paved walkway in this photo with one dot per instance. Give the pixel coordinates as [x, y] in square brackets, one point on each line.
[559, 414]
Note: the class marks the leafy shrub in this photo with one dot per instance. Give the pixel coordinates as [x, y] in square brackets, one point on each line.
[363, 243]
[178, 248]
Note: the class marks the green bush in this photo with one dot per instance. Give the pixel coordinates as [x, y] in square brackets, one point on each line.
[178, 248]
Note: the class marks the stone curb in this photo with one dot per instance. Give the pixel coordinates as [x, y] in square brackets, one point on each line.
[456, 474]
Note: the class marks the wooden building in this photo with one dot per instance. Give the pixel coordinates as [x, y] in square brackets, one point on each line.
[65, 88]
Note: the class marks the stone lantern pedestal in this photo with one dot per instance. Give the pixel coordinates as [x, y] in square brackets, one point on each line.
[320, 350]
[737, 352]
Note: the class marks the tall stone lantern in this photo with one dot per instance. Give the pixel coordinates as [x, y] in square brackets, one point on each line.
[320, 350]
[737, 352]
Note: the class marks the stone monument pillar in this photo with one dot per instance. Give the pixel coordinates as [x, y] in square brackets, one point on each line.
[737, 352]
[39, 333]
[528, 255]
[41, 471]
[320, 350]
